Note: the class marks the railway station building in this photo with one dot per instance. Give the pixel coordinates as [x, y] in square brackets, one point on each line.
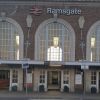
[50, 45]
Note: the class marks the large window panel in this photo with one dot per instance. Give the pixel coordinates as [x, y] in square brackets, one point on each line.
[95, 45]
[55, 41]
[9, 41]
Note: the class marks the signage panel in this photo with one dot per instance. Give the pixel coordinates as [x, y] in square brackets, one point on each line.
[78, 79]
[25, 65]
[64, 11]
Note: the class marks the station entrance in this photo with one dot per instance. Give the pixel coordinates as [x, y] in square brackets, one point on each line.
[54, 80]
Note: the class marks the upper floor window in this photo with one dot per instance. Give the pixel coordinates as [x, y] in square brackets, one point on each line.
[93, 48]
[54, 42]
[93, 43]
[54, 52]
[10, 41]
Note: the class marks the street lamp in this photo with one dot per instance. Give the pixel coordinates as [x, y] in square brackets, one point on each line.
[81, 22]
[29, 23]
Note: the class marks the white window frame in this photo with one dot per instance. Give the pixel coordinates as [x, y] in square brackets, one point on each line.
[21, 35]
[93, 77]
[42, 77]
[66, 77]
[14, 76]
[93, 30]
[40, 29]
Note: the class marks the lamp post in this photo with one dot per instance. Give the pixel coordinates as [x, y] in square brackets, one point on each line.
[29, 23]
[81, 22]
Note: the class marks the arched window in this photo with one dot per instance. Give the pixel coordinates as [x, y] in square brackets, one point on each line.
[10, 41]
[93, 43]
[54, 41]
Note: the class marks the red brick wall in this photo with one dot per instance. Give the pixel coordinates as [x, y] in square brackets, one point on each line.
[91, 14]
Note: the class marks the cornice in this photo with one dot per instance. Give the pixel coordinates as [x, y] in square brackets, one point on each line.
[27, 3]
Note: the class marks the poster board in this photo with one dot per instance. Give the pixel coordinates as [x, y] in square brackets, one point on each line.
[78, 79]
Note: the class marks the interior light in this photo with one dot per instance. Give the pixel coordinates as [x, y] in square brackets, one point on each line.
[18, 54]
[55, 41]
[17, 40]
[93, 42]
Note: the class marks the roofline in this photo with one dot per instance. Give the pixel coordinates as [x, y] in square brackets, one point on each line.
[67, 3]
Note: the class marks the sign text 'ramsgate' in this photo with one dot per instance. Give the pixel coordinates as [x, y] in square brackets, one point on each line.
[65, 11]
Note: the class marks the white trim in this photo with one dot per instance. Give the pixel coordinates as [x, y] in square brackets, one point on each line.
[97, 81]
[20, 62]
[42, 62]
[20, 32]
[62, 80]
[84, 4]
[69, 28]
[89, 35]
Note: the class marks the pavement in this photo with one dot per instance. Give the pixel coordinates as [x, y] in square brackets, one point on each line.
[51, 95]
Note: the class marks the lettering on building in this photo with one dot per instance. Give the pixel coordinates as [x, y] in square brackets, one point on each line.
[65, 11]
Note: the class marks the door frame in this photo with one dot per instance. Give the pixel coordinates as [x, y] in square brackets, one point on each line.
[49, 81]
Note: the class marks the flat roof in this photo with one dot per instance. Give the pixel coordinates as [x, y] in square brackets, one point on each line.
[56, 0]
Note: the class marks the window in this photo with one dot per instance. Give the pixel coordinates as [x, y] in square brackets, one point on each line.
[66, 77]
[54, 41]
[56, 37]
[4, 74]
[93, 42]
[93, 78]
[93, 49]
[42, 76]
[54, 52]
[14, 76]
[9, 41]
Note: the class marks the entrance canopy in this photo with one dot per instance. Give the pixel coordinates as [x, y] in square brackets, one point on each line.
[46, 64]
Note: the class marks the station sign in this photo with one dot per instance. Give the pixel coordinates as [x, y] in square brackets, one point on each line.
[64, 11]
[36, 10]
[25, 65]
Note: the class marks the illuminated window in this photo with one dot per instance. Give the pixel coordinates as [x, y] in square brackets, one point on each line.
[54, 44]
[92, 42]
[17, 42]
[55, 41]
[9, 41]
[55, 52]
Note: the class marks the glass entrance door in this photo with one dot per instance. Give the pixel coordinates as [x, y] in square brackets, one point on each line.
[55, 78]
